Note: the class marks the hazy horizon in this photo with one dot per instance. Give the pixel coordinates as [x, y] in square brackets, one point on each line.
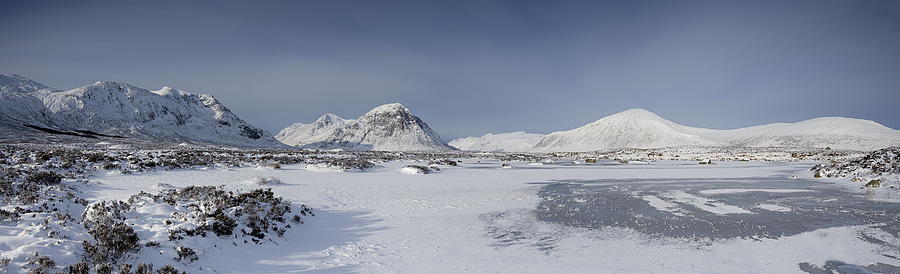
[472, 67]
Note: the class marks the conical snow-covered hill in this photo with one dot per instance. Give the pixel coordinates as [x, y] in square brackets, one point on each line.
[634, 128]
[639, 128]
[390, 127]
[519, 141]
[117, 109]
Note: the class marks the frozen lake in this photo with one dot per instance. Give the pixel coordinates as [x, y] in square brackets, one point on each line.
[664, 217]
[750, 207]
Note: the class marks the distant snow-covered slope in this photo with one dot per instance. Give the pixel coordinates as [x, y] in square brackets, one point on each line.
[639, 128]
[634, 128]
[833, 132]
[390, 127]
[116, 109]
[16, 83]
[519, 141]
[300, 134]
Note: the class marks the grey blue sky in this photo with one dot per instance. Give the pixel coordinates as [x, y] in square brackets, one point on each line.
[471, 67]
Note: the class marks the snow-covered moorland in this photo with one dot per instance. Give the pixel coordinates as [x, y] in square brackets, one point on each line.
[207, 209]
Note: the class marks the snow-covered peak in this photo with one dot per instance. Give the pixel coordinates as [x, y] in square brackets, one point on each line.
[299, 134]
[389, 108]
[169, 91]
[17, 83]
[386, 127]
[633, 128]
[108, 87]
[330, 118]
[635, 114]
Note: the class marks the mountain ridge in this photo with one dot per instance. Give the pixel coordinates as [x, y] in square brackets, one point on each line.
[109, 108]
[640, 128]
[386, 127]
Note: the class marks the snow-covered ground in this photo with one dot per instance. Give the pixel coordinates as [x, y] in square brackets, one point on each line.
[558, 217]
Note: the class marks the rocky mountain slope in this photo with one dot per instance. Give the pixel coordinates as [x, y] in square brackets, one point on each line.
[519, 141]
[111, 109]
[390, 127]
[639, 128]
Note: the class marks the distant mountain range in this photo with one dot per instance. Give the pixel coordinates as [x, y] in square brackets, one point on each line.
[122, 111]
[519, 141]
[33, 112]
[639, 128]
[390, 127]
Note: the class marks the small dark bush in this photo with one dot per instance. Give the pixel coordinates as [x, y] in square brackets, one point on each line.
[350, 163]
[125, 269]
[112, 243]
[104, 213]
[44, 178]
[445, 162]
[168, 269]
[186, 253]
[424, 169]
[103, 268]
[143, 268]
[95, 157]
[8, 216]
[40, 264]
[78, 268]
[223, 225]
[110, 166]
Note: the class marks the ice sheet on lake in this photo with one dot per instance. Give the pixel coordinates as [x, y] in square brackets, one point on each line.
[776, 208]
[662, 205]
[744, 190]
[705, 203]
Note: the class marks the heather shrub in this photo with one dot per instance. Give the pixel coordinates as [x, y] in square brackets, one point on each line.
[111, 243]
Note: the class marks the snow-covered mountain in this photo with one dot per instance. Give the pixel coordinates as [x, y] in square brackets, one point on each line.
[16, 83]
[117, 109]
[519, 141]
[639, 128]
[834, 132]
[300, 134]
[633, 128]
[390, 127]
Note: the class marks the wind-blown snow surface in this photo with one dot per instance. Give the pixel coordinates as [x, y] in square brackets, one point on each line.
[389, 127]
[639, 128]
[519, 141]
[478, 218]
[119, 109]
